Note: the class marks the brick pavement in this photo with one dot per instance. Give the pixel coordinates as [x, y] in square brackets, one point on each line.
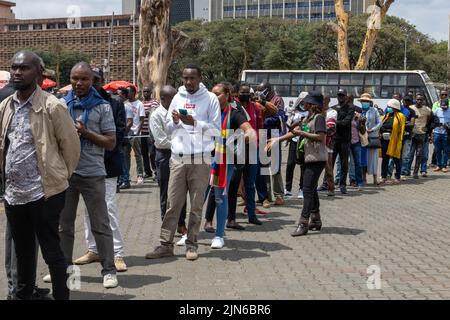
[402, 229]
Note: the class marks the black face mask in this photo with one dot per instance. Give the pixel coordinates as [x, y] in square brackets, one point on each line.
[244, 98]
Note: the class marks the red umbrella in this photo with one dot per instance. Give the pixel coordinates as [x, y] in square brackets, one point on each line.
[47, 84]
[116, 85]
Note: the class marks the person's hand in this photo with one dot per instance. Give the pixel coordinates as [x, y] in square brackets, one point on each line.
[175, 117]
[270, 144]
[298, 132]
[81, 128]
[187, 120]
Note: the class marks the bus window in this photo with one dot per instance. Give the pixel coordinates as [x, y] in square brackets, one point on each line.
[388, 92]
[373, 90]
[282, 91]
[356, 79]
[414, 80]
[327, 79]
[328, 90]
[256, 78]
[373, 79]
[392, 79]
[280, 78]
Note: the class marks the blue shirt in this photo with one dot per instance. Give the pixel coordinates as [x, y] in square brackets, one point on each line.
[444, 117]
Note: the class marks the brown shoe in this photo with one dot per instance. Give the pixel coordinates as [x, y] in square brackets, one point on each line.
[437, 169]
[279, 201]
[160, 252]
[302, 228]
[89, 257]
[120, 264]
[191, 255]
[266, 204]
[444, 170]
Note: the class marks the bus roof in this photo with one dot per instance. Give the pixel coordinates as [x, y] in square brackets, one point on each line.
[341, 71]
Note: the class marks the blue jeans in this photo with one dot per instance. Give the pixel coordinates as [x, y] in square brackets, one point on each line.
[261, 183]
[355, 150]
[125, 177]
[221, 197]
[425, 156]
[406, 157]
[441, 147]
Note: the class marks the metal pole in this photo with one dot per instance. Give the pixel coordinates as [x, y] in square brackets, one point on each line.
[108, 68]
[406, 58]
[134, 47]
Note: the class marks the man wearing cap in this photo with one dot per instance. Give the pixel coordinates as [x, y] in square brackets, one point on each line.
[345, 115]
[437, 104]
[411, 116]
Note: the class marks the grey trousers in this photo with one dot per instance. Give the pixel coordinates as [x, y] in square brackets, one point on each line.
[183, 178]
[93, 191]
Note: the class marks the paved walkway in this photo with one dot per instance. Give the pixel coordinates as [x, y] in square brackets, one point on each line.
[402, 230]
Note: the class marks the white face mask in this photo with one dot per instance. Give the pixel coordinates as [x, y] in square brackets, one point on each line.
[262, 94]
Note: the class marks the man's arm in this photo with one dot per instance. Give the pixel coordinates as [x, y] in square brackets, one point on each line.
[106, 140]
[66, 137]
[347, 121]
[158, 130]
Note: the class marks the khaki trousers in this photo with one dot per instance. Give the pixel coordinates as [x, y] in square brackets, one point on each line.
[183, 178]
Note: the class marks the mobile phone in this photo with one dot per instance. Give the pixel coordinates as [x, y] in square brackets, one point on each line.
[184, 112]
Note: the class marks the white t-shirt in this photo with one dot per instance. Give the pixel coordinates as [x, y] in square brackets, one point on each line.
[135, 110]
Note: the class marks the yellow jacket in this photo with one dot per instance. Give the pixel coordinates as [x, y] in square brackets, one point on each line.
[396, 143]
[56, 140]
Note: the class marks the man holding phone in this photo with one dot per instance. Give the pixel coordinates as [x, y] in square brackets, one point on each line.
[193, 118]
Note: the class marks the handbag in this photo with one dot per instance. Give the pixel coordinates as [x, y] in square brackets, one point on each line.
[374, 143]
[315, 151]
[364, 139]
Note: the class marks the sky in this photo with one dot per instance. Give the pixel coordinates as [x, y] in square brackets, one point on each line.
[429, 16]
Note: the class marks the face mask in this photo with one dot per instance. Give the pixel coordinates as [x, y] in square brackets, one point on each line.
[389, 110]
[244, 98]
[365, 106]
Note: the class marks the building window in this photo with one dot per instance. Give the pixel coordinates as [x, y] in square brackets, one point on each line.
[23, 27]
[37, 26]
[51, 26]
[124, 22]
[86, 24]
[12, 27]
[62, 25]
[99, 24]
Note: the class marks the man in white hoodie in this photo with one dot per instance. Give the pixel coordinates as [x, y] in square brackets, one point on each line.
[194, 118]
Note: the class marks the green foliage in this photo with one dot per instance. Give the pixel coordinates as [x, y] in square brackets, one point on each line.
[223, 49]
[66, 59]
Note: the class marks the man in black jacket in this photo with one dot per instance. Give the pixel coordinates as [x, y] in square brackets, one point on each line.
[346, 112]
[113, 165]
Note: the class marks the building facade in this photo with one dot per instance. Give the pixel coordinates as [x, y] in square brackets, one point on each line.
[305, 10]
[182, 10]
[6, 11]
[91, 36]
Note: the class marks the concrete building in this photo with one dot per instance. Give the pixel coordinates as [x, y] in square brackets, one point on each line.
[90, 36]
[6, 11]
[306, 10]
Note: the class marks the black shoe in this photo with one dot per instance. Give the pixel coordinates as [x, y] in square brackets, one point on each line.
[146, 176]
[234, 225]
[41, 294]
[125, 186]
[343, 189]
[255, 221]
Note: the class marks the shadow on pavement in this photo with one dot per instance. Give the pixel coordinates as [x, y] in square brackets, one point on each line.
[252, 245]
[140, 261]
[338, 230]
[269, 225]
[83, 295]
[234, 255]
[130, 281]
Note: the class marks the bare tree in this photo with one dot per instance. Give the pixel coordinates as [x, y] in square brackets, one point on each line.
[159, 43]
[379, 11]
[373, 27]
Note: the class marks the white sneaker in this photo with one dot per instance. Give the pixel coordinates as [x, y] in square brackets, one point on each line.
[47, 279]
[182, 241]
[300, 194]
[140, 180]
[217, 243]
[110, 281]
[287, 194]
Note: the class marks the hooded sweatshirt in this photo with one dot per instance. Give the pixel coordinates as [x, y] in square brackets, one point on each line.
[204, 107]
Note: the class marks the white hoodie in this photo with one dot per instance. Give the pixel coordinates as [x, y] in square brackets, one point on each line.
[204, 107]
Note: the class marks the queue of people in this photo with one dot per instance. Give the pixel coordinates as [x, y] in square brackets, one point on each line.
[208, 145]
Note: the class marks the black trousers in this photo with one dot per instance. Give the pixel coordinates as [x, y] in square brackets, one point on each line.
[310, 182]
[162, 160]
[148, 155]
[343, 150]
[418, 141]
[290, 167]
[39, 218]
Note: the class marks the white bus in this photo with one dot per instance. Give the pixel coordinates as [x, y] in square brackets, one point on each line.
[380, 84]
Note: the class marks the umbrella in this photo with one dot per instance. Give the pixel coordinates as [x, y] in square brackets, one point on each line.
[116, 85]
[65, 89]
[47, 84]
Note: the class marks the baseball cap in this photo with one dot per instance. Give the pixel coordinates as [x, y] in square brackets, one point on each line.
[342, 92]
[315, 98]
[98, 73]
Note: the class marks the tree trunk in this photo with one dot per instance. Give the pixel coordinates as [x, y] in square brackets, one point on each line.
[342, 34]
[159, 43]
[373, 27]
